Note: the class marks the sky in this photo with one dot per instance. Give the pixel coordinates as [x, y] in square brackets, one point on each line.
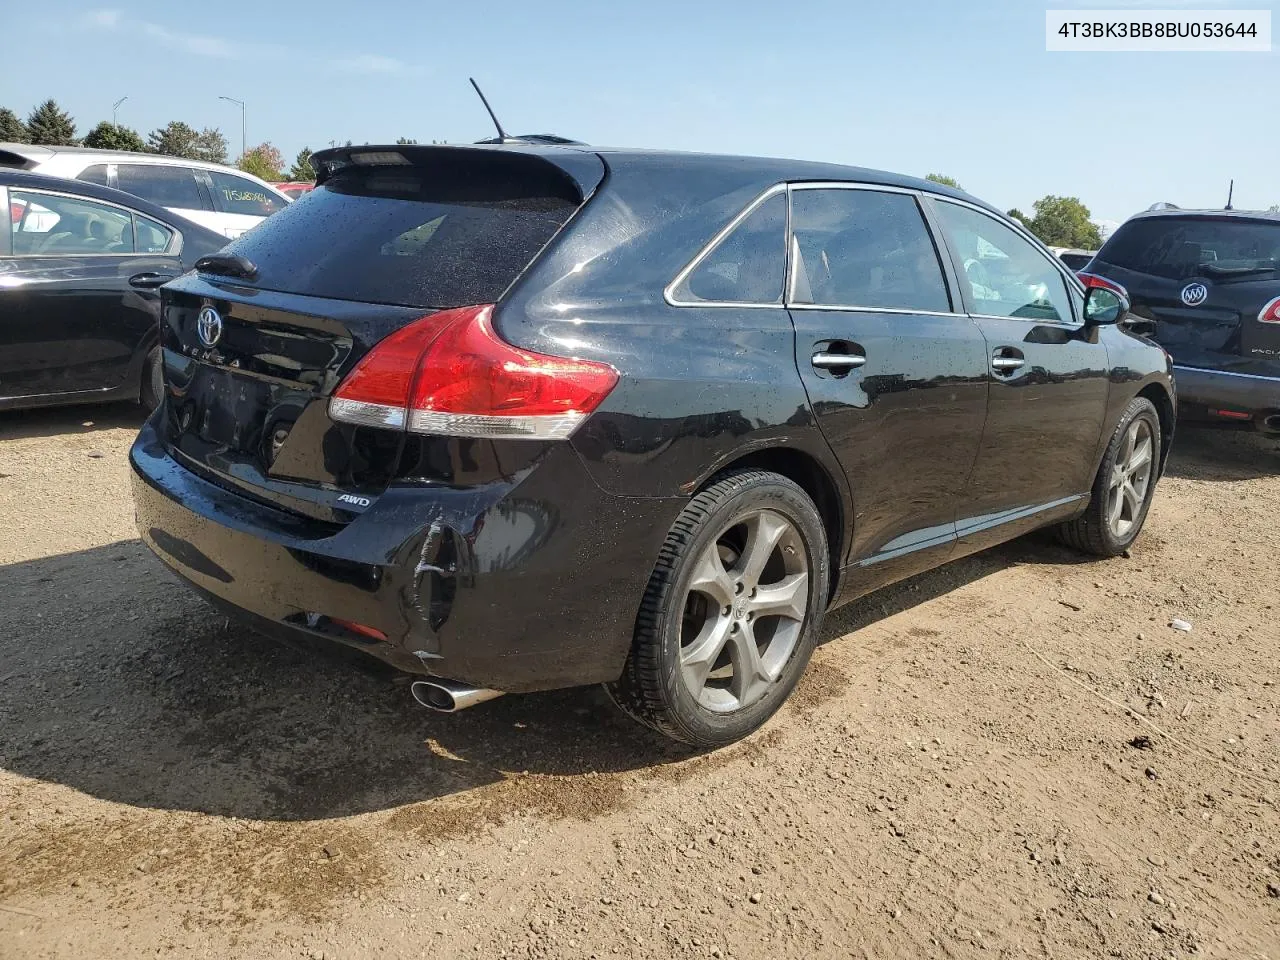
[913, 86]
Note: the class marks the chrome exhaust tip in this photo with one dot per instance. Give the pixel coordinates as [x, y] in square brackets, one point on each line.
[449, 696]
[1271, 423]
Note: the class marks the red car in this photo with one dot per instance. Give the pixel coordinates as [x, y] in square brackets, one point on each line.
[294, 189]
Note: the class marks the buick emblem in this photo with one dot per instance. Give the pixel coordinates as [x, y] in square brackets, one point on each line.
[1194, 294]
[209, 325]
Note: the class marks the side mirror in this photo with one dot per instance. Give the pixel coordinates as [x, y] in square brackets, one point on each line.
[1105, 301]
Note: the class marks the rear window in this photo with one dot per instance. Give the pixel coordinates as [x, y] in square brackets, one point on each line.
[1179, 247]
[448, 233]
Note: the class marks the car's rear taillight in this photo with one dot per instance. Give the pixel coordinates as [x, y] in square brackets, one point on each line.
[1271, 312]
[450, 373]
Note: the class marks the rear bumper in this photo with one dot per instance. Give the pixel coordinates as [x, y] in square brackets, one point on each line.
[1245, 392]
[527, 585]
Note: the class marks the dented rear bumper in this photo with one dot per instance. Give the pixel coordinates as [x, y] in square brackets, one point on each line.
[531, 583]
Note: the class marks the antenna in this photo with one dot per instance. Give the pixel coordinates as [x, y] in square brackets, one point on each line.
[1230, 192]
[502, 134]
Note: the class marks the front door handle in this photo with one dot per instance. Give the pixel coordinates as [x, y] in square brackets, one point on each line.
[1006, 360]
[844, 362]
[149, 280]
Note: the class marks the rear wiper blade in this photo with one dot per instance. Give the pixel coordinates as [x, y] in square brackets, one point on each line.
[1214, 270]
[228, 265]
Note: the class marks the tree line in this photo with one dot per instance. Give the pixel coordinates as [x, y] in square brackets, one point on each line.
[1057, 221]
[49, 125]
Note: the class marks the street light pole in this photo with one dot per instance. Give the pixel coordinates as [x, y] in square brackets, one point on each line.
[243, 142]
[116, 106]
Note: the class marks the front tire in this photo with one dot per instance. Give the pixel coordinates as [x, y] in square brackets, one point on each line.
[1123, 488]
[731, 613]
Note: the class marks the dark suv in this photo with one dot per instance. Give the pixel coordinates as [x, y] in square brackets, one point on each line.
[524, 417]
[1209, 281]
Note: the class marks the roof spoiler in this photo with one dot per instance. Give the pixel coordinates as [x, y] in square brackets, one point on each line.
[22, 157]
[583, 169]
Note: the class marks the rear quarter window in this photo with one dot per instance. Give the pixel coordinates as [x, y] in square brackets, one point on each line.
[748, 265]
[445, 235]
[234, 194]
[97, 173]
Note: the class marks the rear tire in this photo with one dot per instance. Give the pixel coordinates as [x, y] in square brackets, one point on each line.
[152, 389]
[731, 613]
[1123, 488]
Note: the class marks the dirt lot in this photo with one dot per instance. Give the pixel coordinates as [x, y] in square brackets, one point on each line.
[1013, 756]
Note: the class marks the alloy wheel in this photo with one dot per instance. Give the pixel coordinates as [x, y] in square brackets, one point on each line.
[744, 611]
[1130, 478]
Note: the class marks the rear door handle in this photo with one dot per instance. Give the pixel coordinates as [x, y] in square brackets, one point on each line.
[843, 362]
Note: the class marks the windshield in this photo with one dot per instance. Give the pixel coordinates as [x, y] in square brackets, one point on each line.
[1180, 247]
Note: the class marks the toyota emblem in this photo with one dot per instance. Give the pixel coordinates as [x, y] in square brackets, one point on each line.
[209, 326]
[1194, 294]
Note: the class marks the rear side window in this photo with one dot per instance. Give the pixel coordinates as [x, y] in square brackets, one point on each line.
[97, 173]
[748, 266]
[234, 194]
[864, 248]
[163, 185]
[49, 225]
[446, 233]
[1180, 247]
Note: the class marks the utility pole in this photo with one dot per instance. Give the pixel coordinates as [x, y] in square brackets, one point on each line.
[116, 106]
[243, 142]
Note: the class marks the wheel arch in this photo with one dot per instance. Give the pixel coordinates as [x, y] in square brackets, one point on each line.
[814, 478]
[1160, 399]
[138, 361]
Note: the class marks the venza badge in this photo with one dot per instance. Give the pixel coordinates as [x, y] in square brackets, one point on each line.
[1194, 294]
[209, 326]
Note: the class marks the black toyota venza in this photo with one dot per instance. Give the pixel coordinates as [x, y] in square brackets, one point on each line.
[517, 417]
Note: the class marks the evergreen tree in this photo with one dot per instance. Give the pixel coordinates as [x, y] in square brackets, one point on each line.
[12, 130]
[211, 145]
[302, 169]
[175, 139]
[110, 136]
[50, 125]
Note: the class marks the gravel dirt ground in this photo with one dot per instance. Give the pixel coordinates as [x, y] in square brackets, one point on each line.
[1015, 755]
